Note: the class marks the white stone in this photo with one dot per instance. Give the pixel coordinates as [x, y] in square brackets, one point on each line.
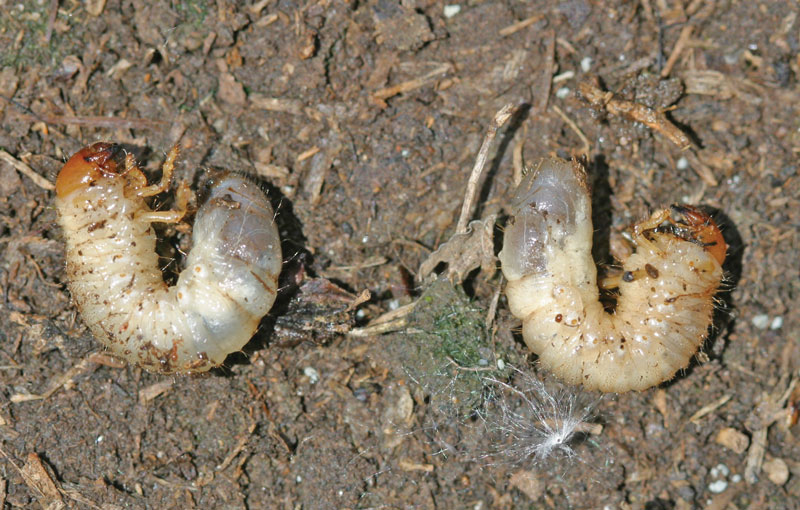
[718, 486]
[451, 10]
[761, 321]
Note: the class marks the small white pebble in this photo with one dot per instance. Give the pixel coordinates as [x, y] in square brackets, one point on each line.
[723, 470]
[714, 472]
[365, 239]
[777, 323]
[99, 439]
[483, 362]
[312, 374]
[299, 479]
[394, 304]
[682, 163]
[761, 321]
[718, 486]
[562, 92]
[405, 153]
[586, 64]
[501, 365]
[736, 478]
[451, 10]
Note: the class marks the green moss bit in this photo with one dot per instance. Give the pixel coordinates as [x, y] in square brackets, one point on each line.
[446, 349]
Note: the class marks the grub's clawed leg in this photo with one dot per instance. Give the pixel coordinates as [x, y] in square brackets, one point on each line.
[183, 194]
[651, 223]
[166, 176]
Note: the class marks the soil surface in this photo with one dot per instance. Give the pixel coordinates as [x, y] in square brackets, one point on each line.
[363, 120]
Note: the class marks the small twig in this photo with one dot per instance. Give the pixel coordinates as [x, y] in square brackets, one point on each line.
[492, 312]
[240, 444]
[500, 118]
[709, 408]
[548, 69]
[26, 171]
[680, 44]
[519, 25]
[517, 158]
[97, 121]
[394, 320]
[58, 383]
[636, 112]
[575, 128]
[51, 20]
[410, 85]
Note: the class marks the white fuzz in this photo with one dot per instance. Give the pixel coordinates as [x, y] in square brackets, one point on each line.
[533, 422]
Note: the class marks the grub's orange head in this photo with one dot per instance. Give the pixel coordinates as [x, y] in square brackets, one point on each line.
[701, 228]
[86, 166]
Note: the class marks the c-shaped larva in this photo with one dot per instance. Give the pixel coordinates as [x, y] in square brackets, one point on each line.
[231, 275]
[666, 287]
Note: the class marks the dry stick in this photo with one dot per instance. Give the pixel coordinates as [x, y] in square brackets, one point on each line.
[409, 85]
[97, 121]
[575, 128]
[636, 112]
[680, 44]
[51, 20]
[480, 162]
[26, 171]
[549, 68]
[519, 25]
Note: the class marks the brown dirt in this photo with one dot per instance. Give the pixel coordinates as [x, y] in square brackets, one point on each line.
[365, 118]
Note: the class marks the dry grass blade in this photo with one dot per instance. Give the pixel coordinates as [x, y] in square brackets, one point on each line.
[27, 171]
[500, 118]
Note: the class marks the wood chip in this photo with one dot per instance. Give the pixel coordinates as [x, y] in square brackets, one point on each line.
[39, 480]
[660, 401]
[95, 7]
[154, 390]
[230, 90]
[732, 439]
[277, 104]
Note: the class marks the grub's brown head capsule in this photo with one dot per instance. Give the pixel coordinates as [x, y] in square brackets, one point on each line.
[85, 167]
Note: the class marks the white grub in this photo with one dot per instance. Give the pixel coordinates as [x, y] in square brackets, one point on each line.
[231, 275]
[666, 288]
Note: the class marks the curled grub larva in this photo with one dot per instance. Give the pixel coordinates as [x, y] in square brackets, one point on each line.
[665, 304]
[231, 274]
